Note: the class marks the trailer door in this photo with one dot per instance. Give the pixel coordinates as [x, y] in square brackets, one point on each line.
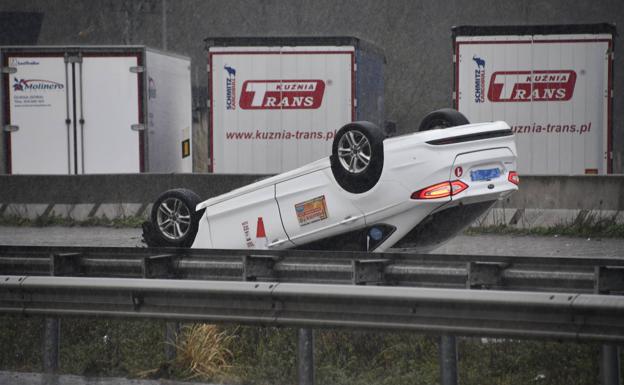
[553, 90]
[277, 108]
[109, 106]
[39, 139]
[72, 113]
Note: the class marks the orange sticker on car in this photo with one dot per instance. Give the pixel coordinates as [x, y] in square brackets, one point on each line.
[311, 211]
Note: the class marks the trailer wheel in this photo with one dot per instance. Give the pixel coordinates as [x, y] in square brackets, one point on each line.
[444, 118]
[173, 220]
[357, 156]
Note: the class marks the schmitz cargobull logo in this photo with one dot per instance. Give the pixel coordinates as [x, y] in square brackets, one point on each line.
[479, 79]
[537, 86]
[282, 94]
[230, 88]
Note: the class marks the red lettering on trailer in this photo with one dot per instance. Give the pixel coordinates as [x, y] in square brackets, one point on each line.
[537, 86]
[281, 94]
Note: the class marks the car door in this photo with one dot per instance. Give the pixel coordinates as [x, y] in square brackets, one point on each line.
[313, 207]
[247, 221]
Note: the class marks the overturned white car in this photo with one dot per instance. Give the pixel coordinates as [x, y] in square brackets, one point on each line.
[372, 193]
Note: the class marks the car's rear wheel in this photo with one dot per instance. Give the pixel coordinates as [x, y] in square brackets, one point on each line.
[443, 118]
[357, 156]
[173, 220]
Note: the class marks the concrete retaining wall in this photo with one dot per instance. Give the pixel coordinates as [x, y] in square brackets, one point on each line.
[546, 201]
[118, 188]
[541, 201]
[85, 197]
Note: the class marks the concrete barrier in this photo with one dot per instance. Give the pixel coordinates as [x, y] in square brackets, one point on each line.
[591, 192]
[549, 200]
[112, 188]
[84, 197]
[543, 200]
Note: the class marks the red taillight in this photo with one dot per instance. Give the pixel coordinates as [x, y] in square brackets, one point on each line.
[513, 177]
[458, 186]
[440, 190]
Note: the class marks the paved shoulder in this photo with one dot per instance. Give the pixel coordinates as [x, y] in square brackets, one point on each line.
[463, 244]
[533, 246]
[70, 236]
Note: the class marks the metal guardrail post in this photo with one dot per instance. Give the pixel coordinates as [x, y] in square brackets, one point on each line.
[448, 360]
[51, 342]
[610, 365]
[160, 266]
[60, 264]
[606, 280]
[171, 333]
[305, 356]
[479, 275]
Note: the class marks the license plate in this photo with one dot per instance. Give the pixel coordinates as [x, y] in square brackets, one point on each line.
[487, 174]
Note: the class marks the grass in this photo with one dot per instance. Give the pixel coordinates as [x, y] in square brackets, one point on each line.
[615, 231]
[591, 225]
[89, 347]
[202, 352]
[253, 355]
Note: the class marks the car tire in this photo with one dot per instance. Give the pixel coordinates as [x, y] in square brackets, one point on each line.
[444, 118]
[173, 219]
[358, 156]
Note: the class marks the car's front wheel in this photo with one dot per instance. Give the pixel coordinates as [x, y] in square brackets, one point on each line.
[357, 156]
[173, 220]
[443, 118]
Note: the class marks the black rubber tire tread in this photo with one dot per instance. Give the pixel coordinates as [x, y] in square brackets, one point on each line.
[366, 180]
[443, 118]
[152, 235]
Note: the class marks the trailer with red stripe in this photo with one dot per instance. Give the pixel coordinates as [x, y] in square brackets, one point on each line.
[275, 103]
[553, 84]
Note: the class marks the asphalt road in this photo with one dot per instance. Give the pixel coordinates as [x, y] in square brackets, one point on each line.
[463, 244]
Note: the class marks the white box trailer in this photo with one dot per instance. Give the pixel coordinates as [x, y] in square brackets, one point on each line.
[276, 103]
[552, 84]
[95, 109]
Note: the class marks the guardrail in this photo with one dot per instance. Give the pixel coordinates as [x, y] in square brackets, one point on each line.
[485, 313]
[520, 273]
[310, 288]
[535, 297]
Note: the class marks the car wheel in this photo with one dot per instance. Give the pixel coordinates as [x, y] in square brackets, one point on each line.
[173, 220]
[357, 156]
[444, 118]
